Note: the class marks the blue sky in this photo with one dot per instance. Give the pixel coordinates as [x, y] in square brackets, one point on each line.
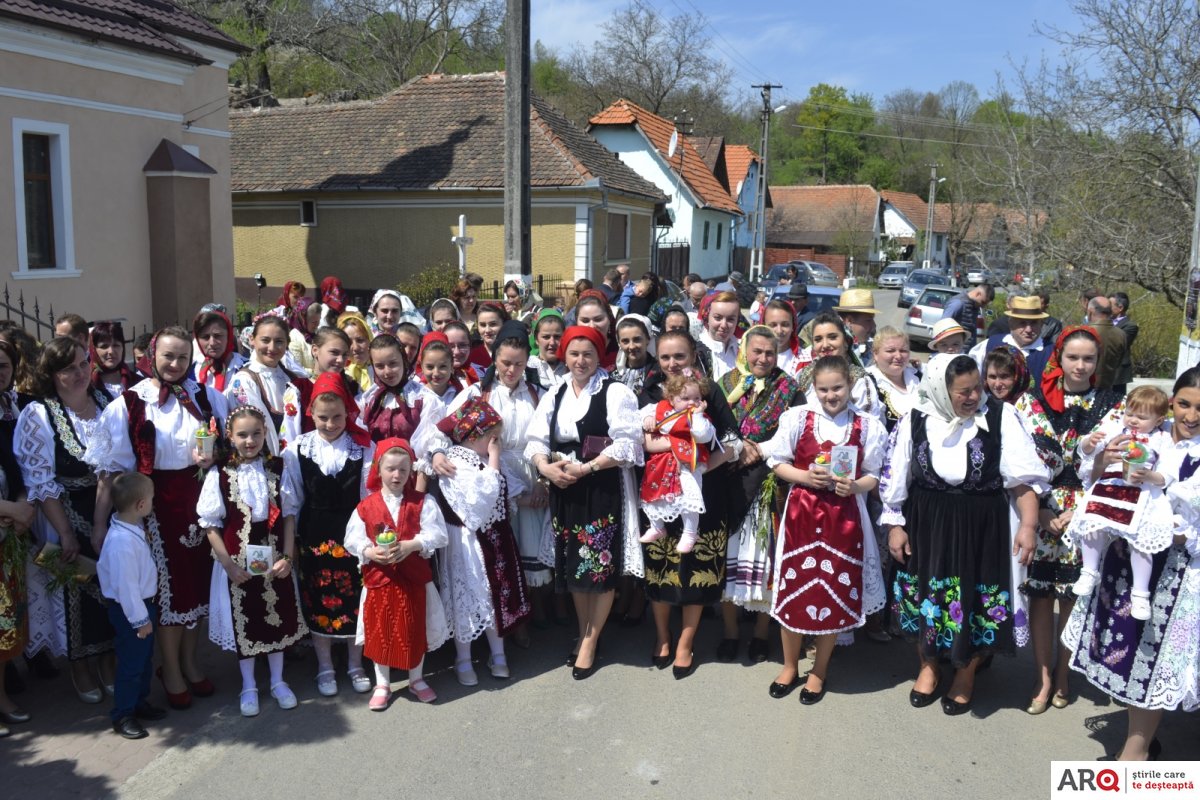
[864, 45]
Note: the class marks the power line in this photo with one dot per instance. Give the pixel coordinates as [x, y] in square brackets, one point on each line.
[735, 53]
[899, 138]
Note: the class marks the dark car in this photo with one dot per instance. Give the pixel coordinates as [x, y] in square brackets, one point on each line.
[774, 275]
[820, 298]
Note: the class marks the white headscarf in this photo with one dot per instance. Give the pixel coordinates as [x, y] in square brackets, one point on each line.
[644, 322]
[933, 400]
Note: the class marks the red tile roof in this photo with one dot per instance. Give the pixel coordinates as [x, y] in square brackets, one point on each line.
[149, 25]
[914, 209]
[696, 174]
[435, 132]
[738, 158]
[819, 215]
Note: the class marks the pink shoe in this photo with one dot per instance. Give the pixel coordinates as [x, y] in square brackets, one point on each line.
[652, 535]
[380, 698]
[687, 542]
[422, 692]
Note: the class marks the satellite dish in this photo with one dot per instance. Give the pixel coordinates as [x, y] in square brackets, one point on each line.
[739, 188]
[674, 144]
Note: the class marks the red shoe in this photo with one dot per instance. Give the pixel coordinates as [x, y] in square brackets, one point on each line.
[202, 688]
[180, 701]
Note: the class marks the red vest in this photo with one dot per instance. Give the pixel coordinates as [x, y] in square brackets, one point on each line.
[413, 570]
[680, 436]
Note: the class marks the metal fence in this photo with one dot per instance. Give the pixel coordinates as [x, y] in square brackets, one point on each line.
[38, 321]
[546, 286]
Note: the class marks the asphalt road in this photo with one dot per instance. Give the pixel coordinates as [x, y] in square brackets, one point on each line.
[633, 731]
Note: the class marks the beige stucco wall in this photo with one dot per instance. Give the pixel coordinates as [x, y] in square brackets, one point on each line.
[108, 149]
[381, 246]
[639, 241]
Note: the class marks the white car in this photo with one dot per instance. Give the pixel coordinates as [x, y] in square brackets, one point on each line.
[892, 276]
[925, 311]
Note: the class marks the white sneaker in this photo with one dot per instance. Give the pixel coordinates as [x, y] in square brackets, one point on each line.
[1139, 605]
[249, 702]
[327, 683]
[1086, 583]
[687, 541]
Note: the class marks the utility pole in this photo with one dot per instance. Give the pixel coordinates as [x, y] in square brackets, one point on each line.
[759, 243]
[518, 263]
[933, 184]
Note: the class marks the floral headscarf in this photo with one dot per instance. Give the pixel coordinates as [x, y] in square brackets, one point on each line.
[113, 331]
[298, 319]
[473, 420]
[1021, 377]
[1052, 377]
[149, 366]
[744, 380]
[285, 299]
[215, 366]
[332, 295]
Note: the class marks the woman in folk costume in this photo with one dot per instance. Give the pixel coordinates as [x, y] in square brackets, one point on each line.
[281, 394]
[303, 321]
[324, 479]
[393, 533]
[333, 298]
[483, 588]
[358, 364]
[547, 331]
[253, 606]
[106, 350]
[678, 434]
[153, 428]
[780, 317]
[433, 375]
[218, 358]
[387, 411]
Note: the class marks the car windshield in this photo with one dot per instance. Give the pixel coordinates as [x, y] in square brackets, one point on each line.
[921, 278]
[777, 272]
[935, 298]
[894, 271]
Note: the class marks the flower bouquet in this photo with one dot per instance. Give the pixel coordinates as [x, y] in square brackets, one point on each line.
[64, 573]
[206, 437]
[1137, 456]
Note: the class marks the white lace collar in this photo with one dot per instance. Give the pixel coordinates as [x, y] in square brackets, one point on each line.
[312, 445]
[722, 349]
[593, 385]
[252, 485]
[274, 373]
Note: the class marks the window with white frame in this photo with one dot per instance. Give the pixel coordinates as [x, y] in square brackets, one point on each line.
[618, 237]
[308, 213]
[42, 170]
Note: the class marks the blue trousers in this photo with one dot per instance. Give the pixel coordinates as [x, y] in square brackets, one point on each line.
[135, 661]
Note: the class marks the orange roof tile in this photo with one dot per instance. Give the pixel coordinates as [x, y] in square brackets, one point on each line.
[696, 175]
[913, 208]
[820, 215]
[738, 158]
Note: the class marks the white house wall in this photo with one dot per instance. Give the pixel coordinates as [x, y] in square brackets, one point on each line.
[896, 225]
[713, 262]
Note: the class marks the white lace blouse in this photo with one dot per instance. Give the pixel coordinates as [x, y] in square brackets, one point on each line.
[1019, 460]
[549, 376]
[901, 400]
[1185, 495]
[474, 491]
[516, 407]
[433, 410]
[433, 535]
[236, 362]
[624, 424]
[416, 390]
[252, 486]
[781, 448]
[33, 446]
[110, 449]
[330, 458]
[282, 395]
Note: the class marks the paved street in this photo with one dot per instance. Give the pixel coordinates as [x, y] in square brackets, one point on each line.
[630, 730]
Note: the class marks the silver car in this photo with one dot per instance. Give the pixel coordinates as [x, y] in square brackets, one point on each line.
[916, 283]
[814, 274]
[927, 310]
[893, 276]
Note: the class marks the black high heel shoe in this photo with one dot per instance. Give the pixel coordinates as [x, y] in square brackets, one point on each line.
[682, 672]
[661, 662]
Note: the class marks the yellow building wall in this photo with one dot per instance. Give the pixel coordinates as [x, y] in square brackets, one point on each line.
[382, 246]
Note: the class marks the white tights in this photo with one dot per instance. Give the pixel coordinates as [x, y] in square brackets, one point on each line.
[1141, 564]
[274, 663]
[383, 675]
[495, 641]
[324, 647]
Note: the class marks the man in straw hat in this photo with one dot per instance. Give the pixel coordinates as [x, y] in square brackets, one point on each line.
[1025, 320]
[857, 309]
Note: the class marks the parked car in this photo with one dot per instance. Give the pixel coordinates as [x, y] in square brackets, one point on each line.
[893, 276]
[917, 282]
[981, 275]
[820, 298]
[772, 277]
[815, 274]
[925, 311]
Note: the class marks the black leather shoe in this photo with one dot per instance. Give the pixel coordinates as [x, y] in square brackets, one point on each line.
[149, 713]
[759, 650]
[781, 690]
[808, 698]
[583, 673]
[661, 662]
[130, 728]
[727, 650]
[953, 708]
[682, 672]
[920, 699]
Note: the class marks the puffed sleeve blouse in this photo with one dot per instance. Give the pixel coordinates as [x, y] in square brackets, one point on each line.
[330, 458]
[624, 424]
[781, 448]
[252, 485]
[1020, 464]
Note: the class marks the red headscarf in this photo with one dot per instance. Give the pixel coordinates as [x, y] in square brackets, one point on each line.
[332, 383]
[285, 299]
[580, 332]
[298, 319]
[473, 419]
[374, 482]
[332, 295]
[149, 366]
[1052, 377]
[113, 331]
[216, 367]
[426, 340]
[792, 343]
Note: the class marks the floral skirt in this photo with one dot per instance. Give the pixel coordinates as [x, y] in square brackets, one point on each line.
[588, 521]
[698, 577]
[1056, 561]
[14, 619]
[1152, 664]
[330, 586]
[954, 594]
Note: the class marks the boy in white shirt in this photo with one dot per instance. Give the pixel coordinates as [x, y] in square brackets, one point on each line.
[129, 577]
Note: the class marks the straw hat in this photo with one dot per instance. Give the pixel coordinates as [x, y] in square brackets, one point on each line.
[945, 328]
[856, 301]
[1026, 308]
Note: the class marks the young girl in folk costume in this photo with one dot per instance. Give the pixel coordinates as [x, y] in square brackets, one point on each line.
[637, 352]
[393, 533]
[827, 568]
[303, 321]
[442, 311]
[253, 608]
[677, 433]
[1127, 500]
[482, 586]
[152, 428]
[218, 358]
[282, 395]
[331, 348]
[358, 364]
[434, 374]
[50, 438]
[543, 351]
[385, 411]
[324, 478]
[488, 320]
[459, 339]
[106, 350]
